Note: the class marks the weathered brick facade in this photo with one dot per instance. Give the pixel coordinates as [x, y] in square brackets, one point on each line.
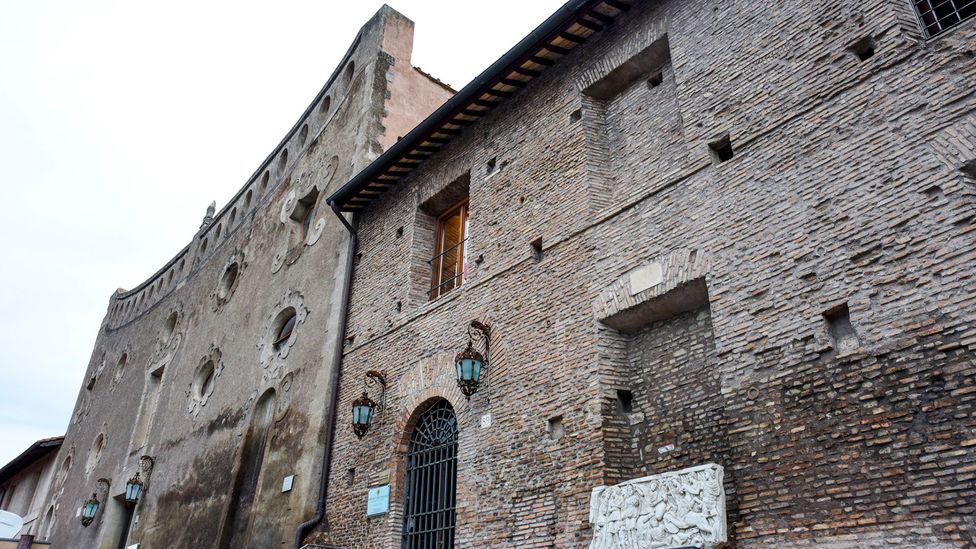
[713, 231]
[845, 187]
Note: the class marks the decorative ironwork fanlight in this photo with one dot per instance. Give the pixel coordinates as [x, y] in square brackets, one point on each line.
[364, 408]
[469, 363]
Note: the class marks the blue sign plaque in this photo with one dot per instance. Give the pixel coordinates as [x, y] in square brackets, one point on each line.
[378, 501]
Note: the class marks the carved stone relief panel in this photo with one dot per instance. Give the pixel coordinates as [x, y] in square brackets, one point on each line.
[683, 508]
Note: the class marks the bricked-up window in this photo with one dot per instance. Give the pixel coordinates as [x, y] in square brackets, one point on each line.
[449, 264]
[937, 16]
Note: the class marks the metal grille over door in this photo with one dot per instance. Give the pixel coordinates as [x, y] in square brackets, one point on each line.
[428, 518]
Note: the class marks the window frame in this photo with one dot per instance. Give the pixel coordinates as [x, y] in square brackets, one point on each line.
[437, 283]
[940, 27]
[281, 336]
[306, 220]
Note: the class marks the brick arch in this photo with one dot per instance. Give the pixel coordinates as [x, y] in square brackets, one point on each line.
[417, 404]
[409, 413]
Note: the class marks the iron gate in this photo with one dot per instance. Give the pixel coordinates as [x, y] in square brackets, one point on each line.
[428, 508]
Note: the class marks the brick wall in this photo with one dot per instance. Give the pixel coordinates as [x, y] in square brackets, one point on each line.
[844, 188]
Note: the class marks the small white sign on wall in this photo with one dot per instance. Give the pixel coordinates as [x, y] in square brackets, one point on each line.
[287, 483]
[378, 500]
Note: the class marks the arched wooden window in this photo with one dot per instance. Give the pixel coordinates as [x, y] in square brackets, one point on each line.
[428, 517]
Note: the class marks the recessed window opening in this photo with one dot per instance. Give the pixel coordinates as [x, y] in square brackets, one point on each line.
[247, 200]
[304, 213]
[625, 401]
[325, 105]
[303, 136]
[537, 249]
[95, 453]
[228, 279]
[205, 379]
[347, 76]
[449, 264]
[490, 168]
[655, 79]
[721, 149]
[351, 476]
[203, 246]
[555, 428]
[264, 180]
[934, 192]
[283, 160]
[938, 16]
[286, 327]
[233, 218]
[863, 48]
[575, 116]
[120, 367]
[842, 332]
[969, 169]
[169, 327]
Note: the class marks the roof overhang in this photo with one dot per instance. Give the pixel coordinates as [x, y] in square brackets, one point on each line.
[28, 457]
[573, 24]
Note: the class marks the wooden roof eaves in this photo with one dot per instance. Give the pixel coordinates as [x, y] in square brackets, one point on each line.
[559, 40]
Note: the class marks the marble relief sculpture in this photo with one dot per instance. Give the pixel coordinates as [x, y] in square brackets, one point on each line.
[683, 508]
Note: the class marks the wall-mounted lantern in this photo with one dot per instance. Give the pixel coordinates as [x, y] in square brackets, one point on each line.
[89, 510]
[363, 408]
[136, 486]
[469, 363]
[132, 490]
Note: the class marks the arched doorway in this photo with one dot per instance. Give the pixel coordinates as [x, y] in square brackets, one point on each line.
[238, 520]
[431, 480]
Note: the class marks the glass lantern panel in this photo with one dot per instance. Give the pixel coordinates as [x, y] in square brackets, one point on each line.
[361, 414]
[89, 510]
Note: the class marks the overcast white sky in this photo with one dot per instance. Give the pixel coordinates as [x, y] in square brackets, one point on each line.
[121, 120]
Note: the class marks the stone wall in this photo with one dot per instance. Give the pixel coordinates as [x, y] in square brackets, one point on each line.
[843, 197]
[185, 368]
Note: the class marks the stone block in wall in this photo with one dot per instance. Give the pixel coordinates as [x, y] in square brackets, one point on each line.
[659, 289]
[683, 508]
